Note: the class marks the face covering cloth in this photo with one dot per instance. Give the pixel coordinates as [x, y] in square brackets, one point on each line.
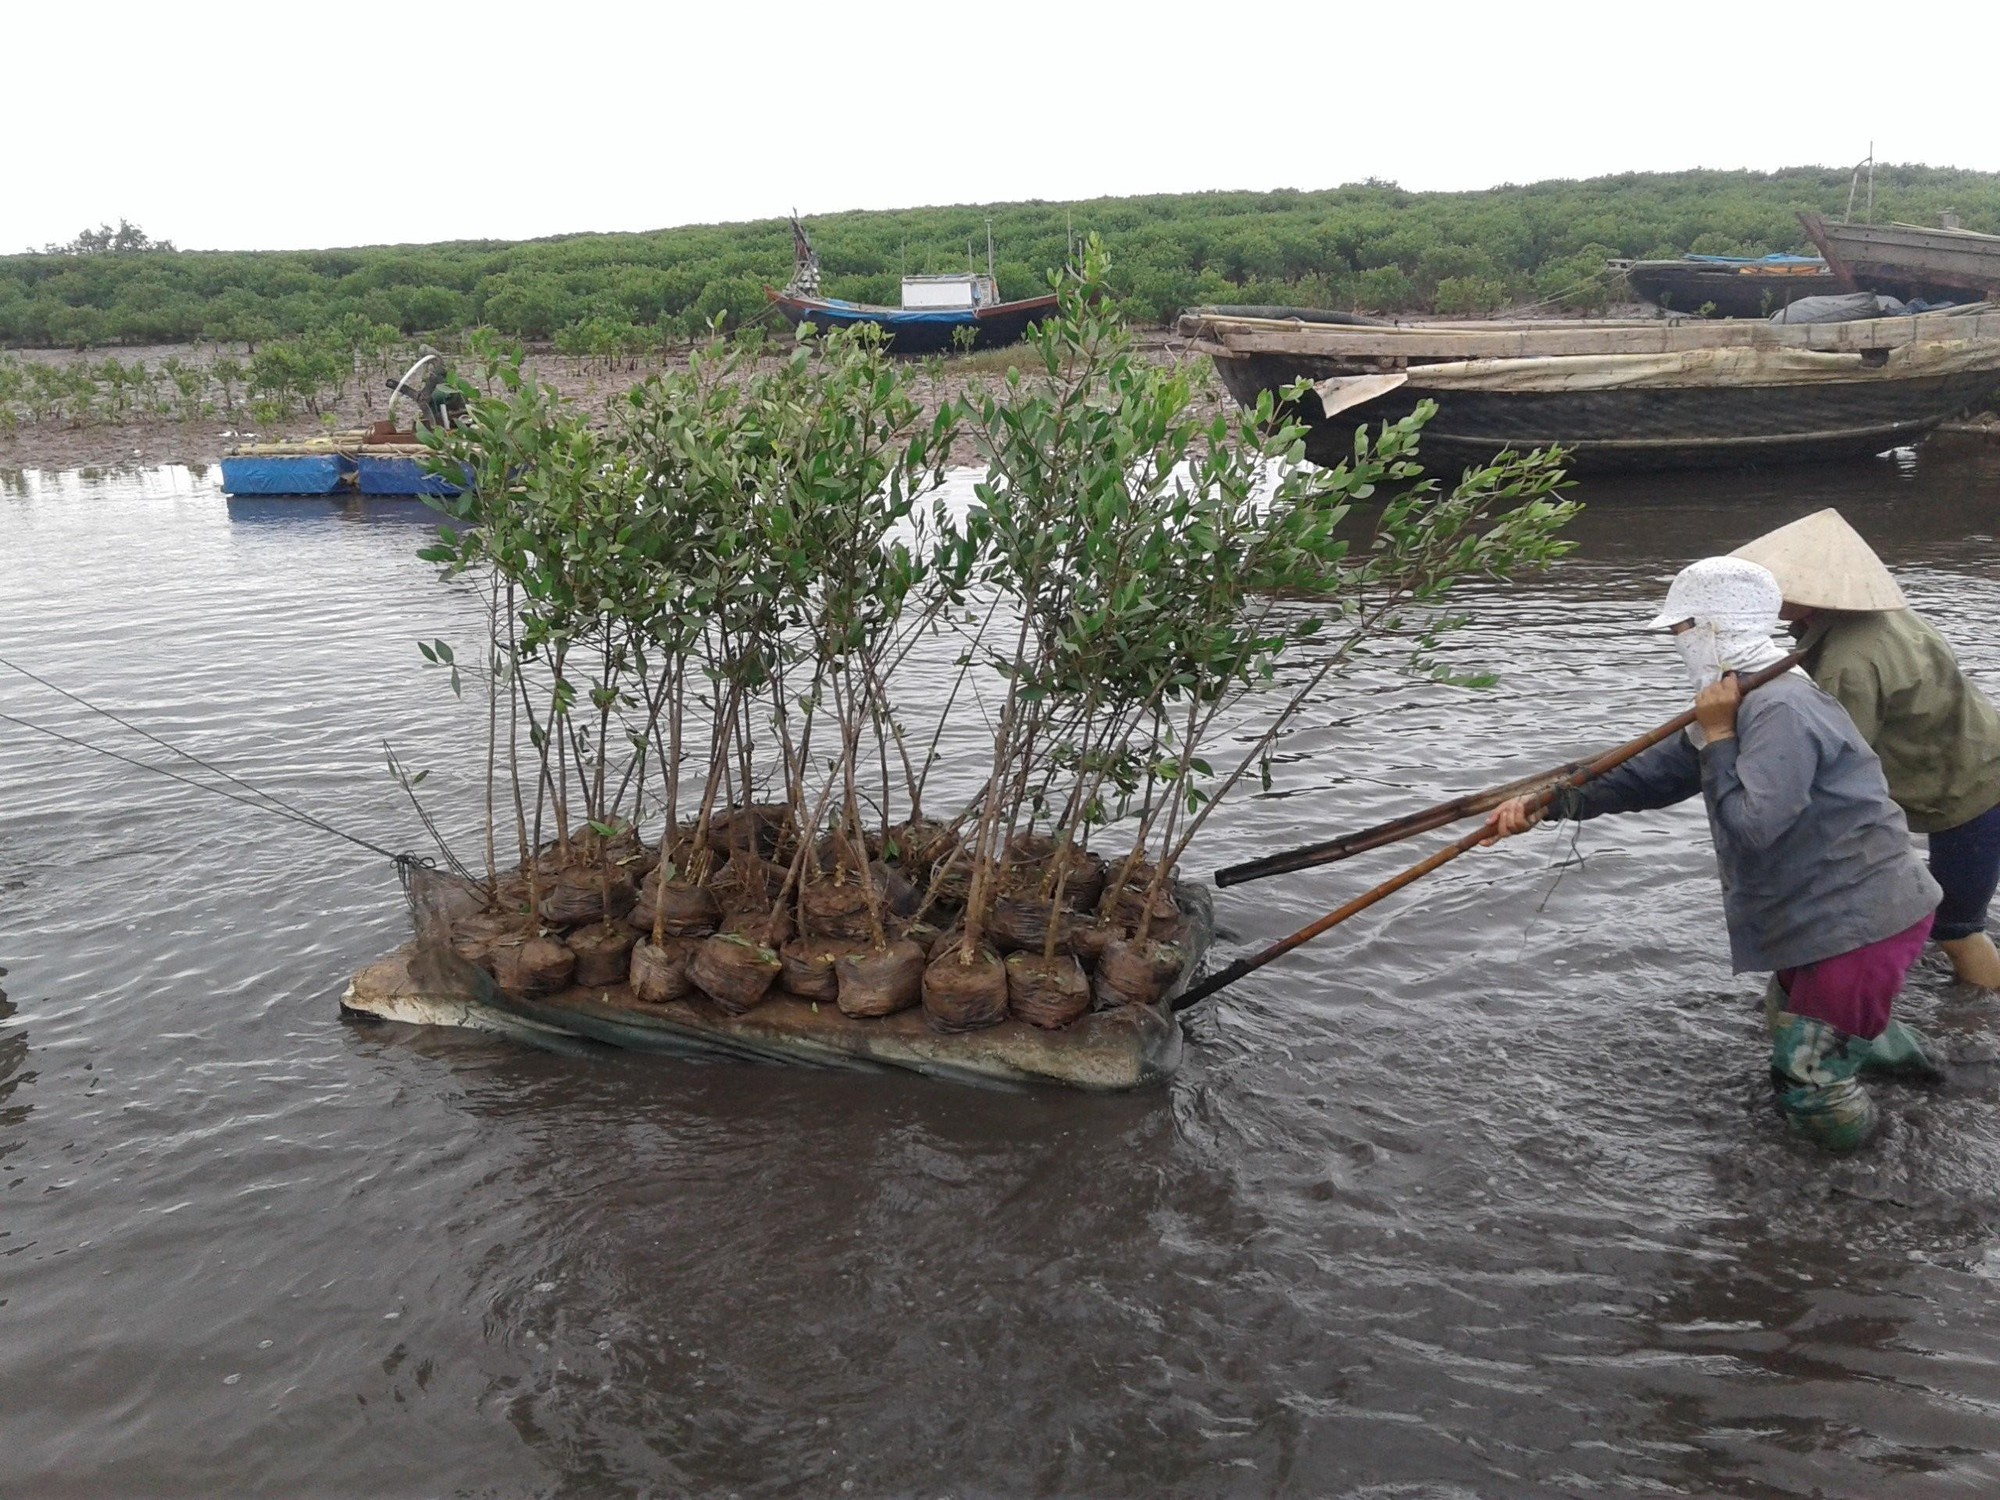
[1733, 605]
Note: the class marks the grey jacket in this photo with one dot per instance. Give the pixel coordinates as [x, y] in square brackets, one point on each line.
[1815, 859]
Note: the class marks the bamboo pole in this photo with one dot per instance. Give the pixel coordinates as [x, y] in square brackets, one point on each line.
[1610, 760]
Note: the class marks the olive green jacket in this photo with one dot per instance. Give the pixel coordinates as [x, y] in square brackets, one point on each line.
[1937, 735]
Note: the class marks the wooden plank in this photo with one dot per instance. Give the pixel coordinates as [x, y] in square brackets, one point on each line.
[1815, 228]
[1248, 336]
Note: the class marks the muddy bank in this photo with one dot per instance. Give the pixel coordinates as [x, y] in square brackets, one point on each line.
[163, 437]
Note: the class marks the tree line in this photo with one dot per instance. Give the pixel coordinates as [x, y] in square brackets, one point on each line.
[1368, 247]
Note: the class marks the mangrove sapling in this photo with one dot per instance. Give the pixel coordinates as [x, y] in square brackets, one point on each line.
[1069, 527]
[548, 512]
[1266, 534]
[851, 458]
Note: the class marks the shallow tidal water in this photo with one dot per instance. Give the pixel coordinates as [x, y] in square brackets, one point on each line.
[1482, 1195]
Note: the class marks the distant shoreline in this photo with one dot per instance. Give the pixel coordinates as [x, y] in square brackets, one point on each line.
[153, 439]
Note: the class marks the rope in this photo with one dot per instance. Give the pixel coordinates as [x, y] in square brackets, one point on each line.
[272, 805]
[1604, 275]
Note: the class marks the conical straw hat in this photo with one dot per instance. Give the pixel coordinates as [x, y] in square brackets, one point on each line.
[1821, 562]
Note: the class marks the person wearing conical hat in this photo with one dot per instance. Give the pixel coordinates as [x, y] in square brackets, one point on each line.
[1937, 734]
[1819, 882]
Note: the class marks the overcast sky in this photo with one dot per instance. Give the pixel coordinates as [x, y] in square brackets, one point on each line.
[285, 125]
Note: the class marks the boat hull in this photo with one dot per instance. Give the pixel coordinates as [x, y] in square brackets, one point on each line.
[377, 470]
[1686, 288]
[396, 474]
[287, 474]
[1112, 1051]
[1609, 430]
[1902, 261]
[921, 331]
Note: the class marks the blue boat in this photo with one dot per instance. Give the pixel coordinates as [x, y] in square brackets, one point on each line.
[396, 471]
[939, 313]
[276, 472]
[925, 330]
[381, 460]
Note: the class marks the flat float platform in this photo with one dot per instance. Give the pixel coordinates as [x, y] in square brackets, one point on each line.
[339, 464]
[1108, 1051]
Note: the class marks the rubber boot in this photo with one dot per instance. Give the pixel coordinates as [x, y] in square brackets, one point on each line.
[1897, 1053]
[1813, 1068]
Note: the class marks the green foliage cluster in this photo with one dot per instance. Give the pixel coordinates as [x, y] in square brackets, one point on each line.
[278, 379]
[1368, 246]
[718, 595]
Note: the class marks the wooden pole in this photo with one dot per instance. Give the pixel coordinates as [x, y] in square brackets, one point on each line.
[1588, 771]
[1331, 851]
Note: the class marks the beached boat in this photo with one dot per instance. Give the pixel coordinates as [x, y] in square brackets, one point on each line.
[939, 313]
[1661, 393]
[925, 330]
[1909, 261]
[1126, 1047]
[1732, 287]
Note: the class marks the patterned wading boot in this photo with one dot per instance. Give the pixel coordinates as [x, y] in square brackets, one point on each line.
[1813, 1068]
[1813, 1071]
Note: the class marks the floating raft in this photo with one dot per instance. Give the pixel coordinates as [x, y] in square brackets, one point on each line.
[1108, 1051]
[341, 464]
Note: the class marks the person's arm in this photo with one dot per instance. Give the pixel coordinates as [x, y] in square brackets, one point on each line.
[1761, 787]
[1670, 772]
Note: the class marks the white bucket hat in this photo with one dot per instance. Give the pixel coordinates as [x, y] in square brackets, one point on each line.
[1733, 605]
[1821, 563]
[1727, 591]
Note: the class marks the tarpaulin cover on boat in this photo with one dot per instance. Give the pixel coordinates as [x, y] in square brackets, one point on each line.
[1703, 367]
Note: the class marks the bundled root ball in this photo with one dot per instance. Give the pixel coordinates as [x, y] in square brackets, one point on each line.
[524, 964]
[917, 847]
[603, 954]
[836, 909]
[764, 829]
[1023, 923]
[964, 993]
[1131, 972]
[880, 981]
[661, 974]
[1087, 940]
[689, 910]
[760, 926]
[745, 883]
[473, 937]
[1046, 992]
[808, 966]
[733, 971]
[583, 895]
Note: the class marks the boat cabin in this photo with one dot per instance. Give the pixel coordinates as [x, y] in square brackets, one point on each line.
[962, 290]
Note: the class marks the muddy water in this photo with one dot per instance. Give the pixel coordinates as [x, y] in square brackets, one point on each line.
[1483, 1196]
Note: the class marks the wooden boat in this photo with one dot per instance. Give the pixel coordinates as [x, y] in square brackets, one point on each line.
[1733, 287]
[1660, 393]
[1908, 261]
[1132, 1046]
[939, 313]
[921, 330]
